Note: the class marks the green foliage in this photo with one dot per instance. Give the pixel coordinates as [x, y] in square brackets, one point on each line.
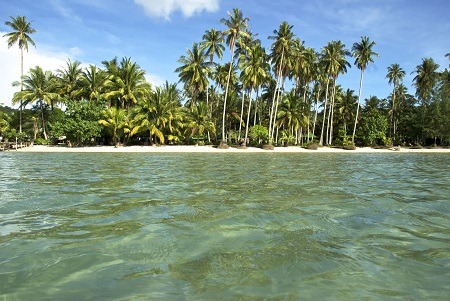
[41, 141]
[80, 124]
[258, 134]
[373, 129]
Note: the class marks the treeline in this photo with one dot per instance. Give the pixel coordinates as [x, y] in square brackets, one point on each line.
[245, 100]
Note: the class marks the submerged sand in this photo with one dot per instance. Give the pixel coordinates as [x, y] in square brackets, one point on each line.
[211, 149]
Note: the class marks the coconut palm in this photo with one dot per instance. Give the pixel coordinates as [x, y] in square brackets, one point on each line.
[69, 79]
[194, 72]
[38, 86]
[424, 81]
[93, 83]
[114, 119]
[156, 113]
[334, 63]
[281, 52]
[254, 71]
[363, 53]
[212, 45]
[198, 120]
[347, 107]
[127, 84]
[20, 35]
[395, 75]
[236, 28]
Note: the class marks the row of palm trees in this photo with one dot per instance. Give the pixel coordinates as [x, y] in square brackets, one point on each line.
[249, 90]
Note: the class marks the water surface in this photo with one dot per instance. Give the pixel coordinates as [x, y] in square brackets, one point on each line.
[258, 226]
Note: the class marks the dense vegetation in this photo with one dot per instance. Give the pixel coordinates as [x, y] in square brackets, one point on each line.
[245, 100]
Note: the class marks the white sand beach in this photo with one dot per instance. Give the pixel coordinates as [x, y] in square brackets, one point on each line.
[210, 149]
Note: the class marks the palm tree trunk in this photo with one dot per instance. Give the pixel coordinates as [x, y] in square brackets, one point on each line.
[315, 115]
[224, 142]
[332, 113]
[324, 113]
[21, 89]
[248, 116]
[275, 94]
[242, 114]
[357, 108]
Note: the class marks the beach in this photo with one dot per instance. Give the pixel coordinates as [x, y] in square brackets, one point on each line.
[211, 149]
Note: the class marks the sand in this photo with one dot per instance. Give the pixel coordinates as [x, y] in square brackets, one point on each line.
[210, 149]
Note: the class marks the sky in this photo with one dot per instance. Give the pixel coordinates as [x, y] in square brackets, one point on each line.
[155, 33]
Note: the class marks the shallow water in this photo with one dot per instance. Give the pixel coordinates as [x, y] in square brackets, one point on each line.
[258, 226]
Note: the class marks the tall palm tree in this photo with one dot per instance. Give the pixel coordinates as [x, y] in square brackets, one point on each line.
[20, 35]
[254, 71]
[346, 107]
[282, 50]
[194, 72]
[236, 28]
[335, 63]
[424, 81]
[395, 75]
[212, 45]
[363, 53]
[38, 86]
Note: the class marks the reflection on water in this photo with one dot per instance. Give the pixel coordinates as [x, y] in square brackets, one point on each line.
[224, 226]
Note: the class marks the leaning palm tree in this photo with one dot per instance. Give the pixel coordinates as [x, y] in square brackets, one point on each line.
[395, 75]
[236, 28]
[38, 86]
[364, 55]
[21, 35]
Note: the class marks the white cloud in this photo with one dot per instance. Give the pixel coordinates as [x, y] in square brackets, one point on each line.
[10, 62]
[163, 9]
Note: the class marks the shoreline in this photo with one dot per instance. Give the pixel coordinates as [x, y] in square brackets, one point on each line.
[211, 149]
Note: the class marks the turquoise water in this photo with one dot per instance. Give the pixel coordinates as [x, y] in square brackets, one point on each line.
[258, 226]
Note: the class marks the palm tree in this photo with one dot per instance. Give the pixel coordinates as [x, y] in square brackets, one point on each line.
[364, 55]
[127, 84]
[156, 113]
[282, 49]
[212, 46]
[21, 35]
[424, 81]
[236, 28]
[93, 83]
[198, 120]
[114, 119]
[38, 86]
[254, 71]
[70, 80]
[333, 59]
[194, 72]
[395, 75]
[346, 107]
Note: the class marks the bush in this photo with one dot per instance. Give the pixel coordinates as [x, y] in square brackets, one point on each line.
[349, 147]
[312, 146]
[41, 141]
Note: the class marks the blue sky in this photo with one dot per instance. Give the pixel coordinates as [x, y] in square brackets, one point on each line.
[155, 33]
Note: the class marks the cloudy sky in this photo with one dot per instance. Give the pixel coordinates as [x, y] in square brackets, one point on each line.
[155, 33]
